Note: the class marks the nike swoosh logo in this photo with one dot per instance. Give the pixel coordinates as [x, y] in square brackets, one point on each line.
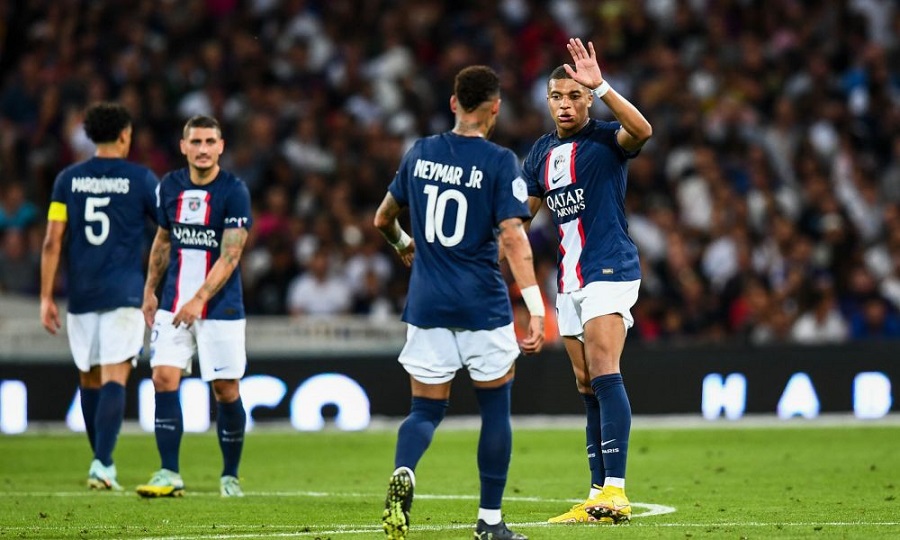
[218, 368]
[604, 443]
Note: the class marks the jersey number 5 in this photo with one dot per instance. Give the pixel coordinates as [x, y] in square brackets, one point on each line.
[92, 214]
[436, 210]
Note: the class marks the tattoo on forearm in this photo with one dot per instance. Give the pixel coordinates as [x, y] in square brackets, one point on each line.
[233, 241]
[159, 261]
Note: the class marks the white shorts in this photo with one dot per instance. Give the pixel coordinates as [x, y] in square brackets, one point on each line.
[595, 299]
[433, 355]
[101, 338]
[220, 346]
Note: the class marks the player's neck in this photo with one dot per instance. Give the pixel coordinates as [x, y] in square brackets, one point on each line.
[571, 133]
[110, 151]
[205, 176]
[467, 127]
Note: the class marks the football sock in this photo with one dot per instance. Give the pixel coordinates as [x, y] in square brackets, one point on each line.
[108, 421]
[595, 458]
[490, 517]
[494, 443]
[169, 428]
[616, 422]
[231, 419]
[89, 399]
[417, 430]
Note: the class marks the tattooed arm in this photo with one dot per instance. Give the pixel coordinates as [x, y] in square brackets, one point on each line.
[156, 268]
[233, 241]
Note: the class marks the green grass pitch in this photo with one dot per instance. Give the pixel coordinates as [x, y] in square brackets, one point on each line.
[790, 481]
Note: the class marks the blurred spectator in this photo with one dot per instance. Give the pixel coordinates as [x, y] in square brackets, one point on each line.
[16, 212]
[19, 266]
[822, 323]
[319, 291]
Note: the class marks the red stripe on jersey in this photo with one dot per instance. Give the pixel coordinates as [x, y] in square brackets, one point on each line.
[206, 217]
[177, 273]
[572, 162]
[547, 171]
[581, 238]
[208, 266]
[178, 207]
[562, 252]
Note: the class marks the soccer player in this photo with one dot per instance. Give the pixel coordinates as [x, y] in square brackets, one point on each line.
[463, 192]
[579, 170]
[204, 219]
[103, 204]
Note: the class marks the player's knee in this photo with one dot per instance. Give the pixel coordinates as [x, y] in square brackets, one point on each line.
[165, 380]
[226, 391]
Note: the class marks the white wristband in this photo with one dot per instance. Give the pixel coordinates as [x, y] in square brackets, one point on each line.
[534, 301]
[601, 90]
[402, 242]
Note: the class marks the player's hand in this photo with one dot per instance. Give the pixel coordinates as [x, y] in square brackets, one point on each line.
[408, 253]
[149, 307]
[587, 70]
[50, 316]
[535, 340]
[189, 313]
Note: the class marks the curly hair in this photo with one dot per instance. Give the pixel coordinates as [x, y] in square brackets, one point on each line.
[474, 85]
[104, 122]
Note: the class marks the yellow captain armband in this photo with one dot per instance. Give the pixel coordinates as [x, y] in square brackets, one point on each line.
[57, 212]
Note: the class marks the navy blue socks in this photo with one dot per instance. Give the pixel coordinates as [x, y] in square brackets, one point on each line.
[417, 430]
[89, 399]
[108, 421]
[230, 422]
[593, 438]
[616, 422]
[169, 428]
[494, 443]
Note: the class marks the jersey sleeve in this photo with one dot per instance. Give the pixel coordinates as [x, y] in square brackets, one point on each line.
[161, 218]
[608, 132]
[149, 192]
[58, 208]
[530, 171]
[399, 187]
[237, 207]
[510, 192]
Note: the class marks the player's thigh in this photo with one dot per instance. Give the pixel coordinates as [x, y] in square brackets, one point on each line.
[488, 354]
[222, 348]
[575, 350]
[171, 346]
[608, 297]
[121, 335]
[83, 331]
[430, 355]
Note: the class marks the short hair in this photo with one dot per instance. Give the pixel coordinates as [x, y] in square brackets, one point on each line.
[559, 73]
[474, 85]
[200, 121]
[104, 122]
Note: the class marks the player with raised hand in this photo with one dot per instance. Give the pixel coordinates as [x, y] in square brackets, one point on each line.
[99, 210]
[580, 171]
[461, 190]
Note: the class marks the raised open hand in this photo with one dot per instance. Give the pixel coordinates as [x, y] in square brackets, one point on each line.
[587, 70]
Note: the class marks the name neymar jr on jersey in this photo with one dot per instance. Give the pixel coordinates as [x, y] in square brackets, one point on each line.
[447, 174]
[567, 203]
[89, 184]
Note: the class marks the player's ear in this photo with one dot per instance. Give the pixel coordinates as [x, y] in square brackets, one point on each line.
[183, 145]
[453, 104]
[495, 107]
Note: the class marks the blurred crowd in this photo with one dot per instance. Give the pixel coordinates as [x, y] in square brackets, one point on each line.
[766, 206]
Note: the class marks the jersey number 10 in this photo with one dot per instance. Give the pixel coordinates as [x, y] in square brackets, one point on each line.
[435, 211]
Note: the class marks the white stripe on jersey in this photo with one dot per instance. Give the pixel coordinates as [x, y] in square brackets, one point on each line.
[193, 266]
[560, 169]
[193, 207]
[571, 242]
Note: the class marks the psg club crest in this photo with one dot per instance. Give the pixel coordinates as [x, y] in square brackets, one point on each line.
[194, 204]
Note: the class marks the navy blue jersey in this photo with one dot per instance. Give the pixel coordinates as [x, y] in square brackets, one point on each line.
[196, 217]
[458, 190]
[106, 203]
[582, 180]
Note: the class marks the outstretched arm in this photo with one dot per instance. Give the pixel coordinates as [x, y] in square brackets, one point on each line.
[521, 263]
[386, 222]
[636, 130]
[233, 241]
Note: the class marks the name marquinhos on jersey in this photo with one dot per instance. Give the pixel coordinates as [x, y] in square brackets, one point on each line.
[567, 203]
[89, 184]
[195, 237]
